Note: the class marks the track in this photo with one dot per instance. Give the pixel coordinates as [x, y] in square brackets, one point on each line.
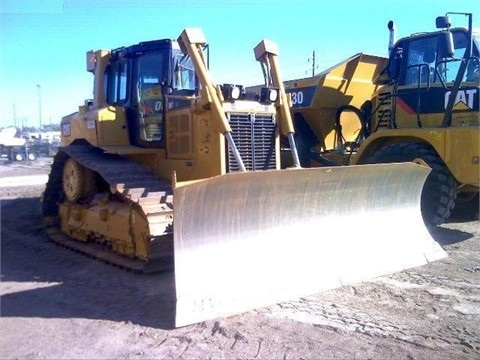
[130, 182]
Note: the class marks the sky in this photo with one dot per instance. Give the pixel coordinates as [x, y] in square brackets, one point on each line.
[43, 42]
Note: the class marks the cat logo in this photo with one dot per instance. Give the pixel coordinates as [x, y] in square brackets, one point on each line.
[464, 100]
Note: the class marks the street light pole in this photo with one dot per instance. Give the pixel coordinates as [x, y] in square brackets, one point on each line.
[40, 106]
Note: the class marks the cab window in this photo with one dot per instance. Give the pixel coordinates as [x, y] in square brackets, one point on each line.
[460, 40]
[424, 64]
[184, 74]
[421, 60]
[116, 83]
[151, 75]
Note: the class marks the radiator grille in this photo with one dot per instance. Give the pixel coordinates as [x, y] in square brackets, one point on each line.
[254, 136]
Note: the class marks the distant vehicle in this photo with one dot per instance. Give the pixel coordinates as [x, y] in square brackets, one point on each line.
[15, 148]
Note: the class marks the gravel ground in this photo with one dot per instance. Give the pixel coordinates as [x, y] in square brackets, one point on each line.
[57, 304]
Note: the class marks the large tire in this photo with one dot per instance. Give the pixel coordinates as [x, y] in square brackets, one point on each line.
[439, 191]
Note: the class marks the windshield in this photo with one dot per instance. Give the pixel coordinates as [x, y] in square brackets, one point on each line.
[425, 64]
[184, 73]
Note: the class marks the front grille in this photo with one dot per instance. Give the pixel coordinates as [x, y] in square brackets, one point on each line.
[254, 136]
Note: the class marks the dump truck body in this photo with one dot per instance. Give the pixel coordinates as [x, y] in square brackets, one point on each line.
[316, 100]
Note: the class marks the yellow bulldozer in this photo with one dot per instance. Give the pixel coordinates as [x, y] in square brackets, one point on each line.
[165, 170]
[421, 104]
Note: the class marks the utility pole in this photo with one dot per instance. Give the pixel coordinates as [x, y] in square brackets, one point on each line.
[40, 106]
[313, 63]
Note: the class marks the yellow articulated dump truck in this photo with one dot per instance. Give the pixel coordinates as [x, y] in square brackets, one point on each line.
[165, 170]
[421, 104]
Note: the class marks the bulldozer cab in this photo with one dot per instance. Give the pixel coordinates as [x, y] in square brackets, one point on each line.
[140, 78]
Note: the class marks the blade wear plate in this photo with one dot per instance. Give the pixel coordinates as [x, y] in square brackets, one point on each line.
[247, 240]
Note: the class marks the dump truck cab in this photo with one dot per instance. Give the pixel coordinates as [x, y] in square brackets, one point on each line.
[436, 57]
[433, 80]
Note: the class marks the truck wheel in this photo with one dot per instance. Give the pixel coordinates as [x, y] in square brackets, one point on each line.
[32, 156]
[18, 157]
[439, 191]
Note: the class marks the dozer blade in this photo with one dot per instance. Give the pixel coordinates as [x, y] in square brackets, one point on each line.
[247, 240]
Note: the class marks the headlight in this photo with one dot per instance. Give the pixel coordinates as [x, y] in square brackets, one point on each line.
[231, 92]
[269, 94]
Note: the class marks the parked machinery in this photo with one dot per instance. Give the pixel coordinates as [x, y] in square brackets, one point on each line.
[164, 169]
[15, 148]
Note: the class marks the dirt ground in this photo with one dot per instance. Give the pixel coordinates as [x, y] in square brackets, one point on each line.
[57, 304]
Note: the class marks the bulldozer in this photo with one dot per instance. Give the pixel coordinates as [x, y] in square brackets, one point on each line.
[164, 170]
[420, 104]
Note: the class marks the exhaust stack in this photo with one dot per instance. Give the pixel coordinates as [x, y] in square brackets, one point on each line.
[391, 41]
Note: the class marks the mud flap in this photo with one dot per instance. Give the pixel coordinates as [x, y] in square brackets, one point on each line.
[247, 240]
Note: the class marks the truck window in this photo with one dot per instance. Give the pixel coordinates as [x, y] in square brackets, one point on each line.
[460, 40]
[421, 60]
